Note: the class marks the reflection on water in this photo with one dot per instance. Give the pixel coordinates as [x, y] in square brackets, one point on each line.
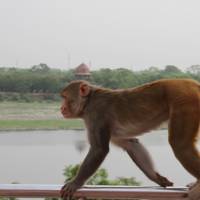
[80, 145]
[41, 156]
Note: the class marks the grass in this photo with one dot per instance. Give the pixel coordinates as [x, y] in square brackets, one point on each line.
[33, 110]
[40, 124]
[34, 116]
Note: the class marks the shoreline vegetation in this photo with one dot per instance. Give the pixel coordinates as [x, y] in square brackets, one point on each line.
[18, 116]
[30, 125]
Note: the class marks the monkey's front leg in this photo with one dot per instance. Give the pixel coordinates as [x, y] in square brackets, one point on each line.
[90, 164]
[142, 158]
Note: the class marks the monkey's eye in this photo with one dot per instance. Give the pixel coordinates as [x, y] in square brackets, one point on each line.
[62, 95]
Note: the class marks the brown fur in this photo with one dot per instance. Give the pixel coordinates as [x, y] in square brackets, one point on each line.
[118, 115]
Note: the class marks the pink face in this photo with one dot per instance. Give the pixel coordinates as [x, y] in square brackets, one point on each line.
[64, 109]
[70, 107]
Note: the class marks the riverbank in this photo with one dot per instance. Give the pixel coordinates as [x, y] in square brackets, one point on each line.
[34, 116]
[22, 125]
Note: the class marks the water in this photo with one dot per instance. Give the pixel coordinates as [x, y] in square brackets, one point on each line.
[40, 156]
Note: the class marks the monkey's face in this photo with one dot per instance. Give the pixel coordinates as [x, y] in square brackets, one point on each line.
[69, 107]
[74, 99]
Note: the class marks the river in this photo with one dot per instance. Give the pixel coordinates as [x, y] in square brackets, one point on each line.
[39, 157]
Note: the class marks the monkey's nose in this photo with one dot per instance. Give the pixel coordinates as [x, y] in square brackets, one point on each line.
[62, 108]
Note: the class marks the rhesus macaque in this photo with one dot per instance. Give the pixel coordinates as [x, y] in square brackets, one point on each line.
[120, 116]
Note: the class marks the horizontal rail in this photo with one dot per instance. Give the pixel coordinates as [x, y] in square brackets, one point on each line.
[103, 192]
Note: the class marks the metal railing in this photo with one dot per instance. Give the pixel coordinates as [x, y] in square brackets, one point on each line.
[88, 192]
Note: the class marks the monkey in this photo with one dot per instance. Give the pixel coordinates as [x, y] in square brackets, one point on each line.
[119, 116]
[194, 191]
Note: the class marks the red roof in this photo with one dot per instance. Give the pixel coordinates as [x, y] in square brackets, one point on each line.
[82, 69]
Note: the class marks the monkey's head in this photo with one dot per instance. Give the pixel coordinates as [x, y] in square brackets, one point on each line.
[74, 97]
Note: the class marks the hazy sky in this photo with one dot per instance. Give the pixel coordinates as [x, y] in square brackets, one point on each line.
[108, 33]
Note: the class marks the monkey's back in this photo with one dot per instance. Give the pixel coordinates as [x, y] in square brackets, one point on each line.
[180, 91]
[143, 108]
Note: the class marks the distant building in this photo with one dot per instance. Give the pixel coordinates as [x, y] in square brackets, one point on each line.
[82, 72]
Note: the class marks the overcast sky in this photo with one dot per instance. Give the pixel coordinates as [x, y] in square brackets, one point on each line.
[108, 33]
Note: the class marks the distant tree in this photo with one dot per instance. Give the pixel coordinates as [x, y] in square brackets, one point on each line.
[148, 75]
[104, 77]
[42, 67]
[67, 76]
[194, 69]
[153, 69]
[114, 78]
[41, 78]
[172, 69]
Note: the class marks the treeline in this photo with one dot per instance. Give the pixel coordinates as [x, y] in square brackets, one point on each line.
[41, 79]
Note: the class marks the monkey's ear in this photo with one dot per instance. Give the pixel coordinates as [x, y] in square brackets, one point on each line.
[84, 89]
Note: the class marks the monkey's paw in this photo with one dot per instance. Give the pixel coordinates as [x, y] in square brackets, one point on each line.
[194, 191]
[163, 181]
[69, 189]
[191, 185]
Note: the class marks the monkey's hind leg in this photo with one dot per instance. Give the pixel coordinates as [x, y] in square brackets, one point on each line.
[183, 131]
[141, 157]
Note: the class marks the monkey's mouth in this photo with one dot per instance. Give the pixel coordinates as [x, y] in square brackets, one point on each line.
[66, 114]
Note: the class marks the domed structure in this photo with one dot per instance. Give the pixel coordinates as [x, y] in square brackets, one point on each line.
[82, 72]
